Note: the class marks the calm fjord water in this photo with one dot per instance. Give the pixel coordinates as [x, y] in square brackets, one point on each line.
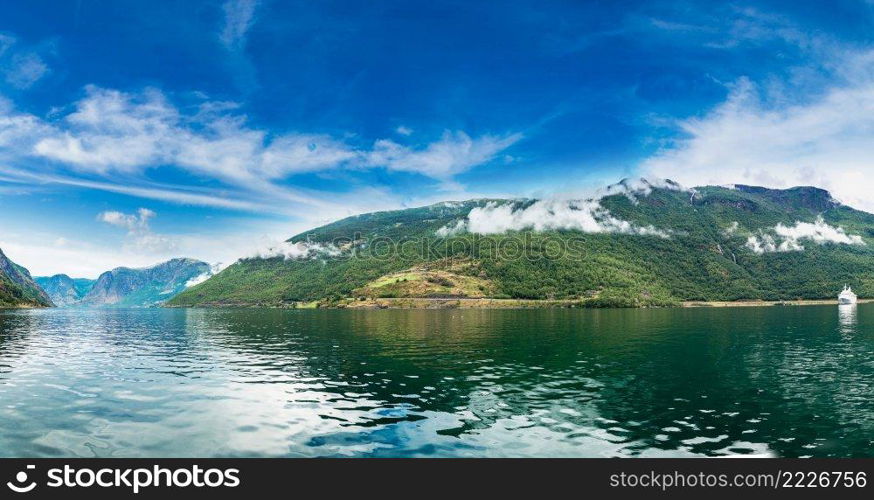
[791, 381]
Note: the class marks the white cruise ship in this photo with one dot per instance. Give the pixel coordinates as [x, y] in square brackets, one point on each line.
[847, 296]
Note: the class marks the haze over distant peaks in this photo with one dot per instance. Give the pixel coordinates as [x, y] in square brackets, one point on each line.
[63, 290]
[128, 287]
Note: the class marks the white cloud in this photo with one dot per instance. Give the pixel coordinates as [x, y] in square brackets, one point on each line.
[557, 212]
[303, 153]
[75, 259]
[132, 222]
[454, 153]
[198, 279]
[6, 41]
[78, 257]
[296, 251]
[113, 141]
[818, 232]
[405, 131]
[25, 70]
[21, 67]
[17, 129]
[766, 135]
[109, 132]
[239, 17]
[115, 131]
[587, 216]
[763, 243]
[139, 233]
[640, 187]
[789, 238]
[452, 228]
[213, 270]
[729, 26]
[171, 193]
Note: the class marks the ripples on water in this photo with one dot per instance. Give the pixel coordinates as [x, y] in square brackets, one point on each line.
[794, 381]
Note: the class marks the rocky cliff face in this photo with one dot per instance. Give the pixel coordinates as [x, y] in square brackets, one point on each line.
[17, 288]
[64, 290]
[143, 287]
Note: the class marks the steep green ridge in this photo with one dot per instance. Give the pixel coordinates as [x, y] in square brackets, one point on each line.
[17, 288]
[697, 248]
[128, 287]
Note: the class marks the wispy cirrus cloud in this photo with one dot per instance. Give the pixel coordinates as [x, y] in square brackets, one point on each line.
[239, 17]
[182, 195]
[20, 66]
[25, 70]
[811, 125]
[109, 133]
[454, 153]
[729, 26]
[824, 142]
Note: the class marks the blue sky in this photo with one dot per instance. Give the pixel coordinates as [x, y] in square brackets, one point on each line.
[131, 132]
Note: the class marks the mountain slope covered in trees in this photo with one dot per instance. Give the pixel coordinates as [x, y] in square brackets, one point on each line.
[17, 288]
[639, 244]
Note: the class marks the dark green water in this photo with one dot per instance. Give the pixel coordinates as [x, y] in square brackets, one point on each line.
[792, 381]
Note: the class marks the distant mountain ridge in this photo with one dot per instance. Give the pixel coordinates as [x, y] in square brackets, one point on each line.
[124, 286]
[639, 243]
[17, 287]
[63, 290]
[143, 287]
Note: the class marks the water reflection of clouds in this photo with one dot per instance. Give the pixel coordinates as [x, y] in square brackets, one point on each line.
[432, 383]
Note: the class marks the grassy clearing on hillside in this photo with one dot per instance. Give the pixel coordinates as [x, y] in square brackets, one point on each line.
[421, 282]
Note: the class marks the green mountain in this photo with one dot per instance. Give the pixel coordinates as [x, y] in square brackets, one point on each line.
[64, 290]
[145, 287]
[640, 244]
[17, 288]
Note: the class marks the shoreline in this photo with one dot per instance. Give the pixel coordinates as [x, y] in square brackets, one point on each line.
[492, 303]
[768, 303]
[404, 303]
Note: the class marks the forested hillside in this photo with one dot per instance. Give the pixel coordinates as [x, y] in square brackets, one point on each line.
[17, 288]
[638, 245]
